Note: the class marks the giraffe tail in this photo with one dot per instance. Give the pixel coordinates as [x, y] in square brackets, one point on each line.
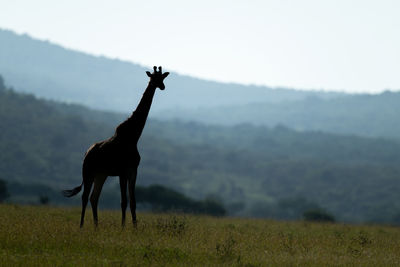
[72, 192]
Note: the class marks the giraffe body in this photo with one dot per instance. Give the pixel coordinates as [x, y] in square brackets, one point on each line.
[117, 156]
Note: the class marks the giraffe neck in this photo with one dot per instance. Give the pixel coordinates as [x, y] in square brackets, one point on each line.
[132, 128]
[143, 108]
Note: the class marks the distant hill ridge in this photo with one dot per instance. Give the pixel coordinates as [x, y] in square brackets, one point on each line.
[362, 115]
[51, 71]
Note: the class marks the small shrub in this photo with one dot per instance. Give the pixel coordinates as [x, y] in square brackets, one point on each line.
[3, 191]
[318, 215]
[44, 200]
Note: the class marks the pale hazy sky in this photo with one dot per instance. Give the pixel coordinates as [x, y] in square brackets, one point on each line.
[349, 45]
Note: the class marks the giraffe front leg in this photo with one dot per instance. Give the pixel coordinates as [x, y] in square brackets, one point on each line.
[132, 199]
[123, 180]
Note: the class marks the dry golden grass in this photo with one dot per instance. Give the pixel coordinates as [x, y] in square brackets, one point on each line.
[47, 236]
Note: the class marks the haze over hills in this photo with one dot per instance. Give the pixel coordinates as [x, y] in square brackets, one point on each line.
[363, 115]
[255, 171]
[51, 71]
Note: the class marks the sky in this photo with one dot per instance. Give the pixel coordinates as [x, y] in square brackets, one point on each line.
[340, 45]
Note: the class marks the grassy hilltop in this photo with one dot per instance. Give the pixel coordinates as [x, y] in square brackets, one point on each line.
[46, 236]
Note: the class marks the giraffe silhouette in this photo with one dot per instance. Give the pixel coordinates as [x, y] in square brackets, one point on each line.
[118, 156]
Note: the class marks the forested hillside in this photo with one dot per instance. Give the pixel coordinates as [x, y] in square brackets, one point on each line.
[364, 115]
[255, 171]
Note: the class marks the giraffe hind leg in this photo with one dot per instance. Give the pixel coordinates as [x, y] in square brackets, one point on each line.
[85, 197]
[94, 198]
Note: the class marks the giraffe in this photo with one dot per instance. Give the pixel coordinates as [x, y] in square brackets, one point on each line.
[118, 156]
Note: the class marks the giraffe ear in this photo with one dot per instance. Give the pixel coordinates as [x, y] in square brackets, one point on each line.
[148, 73]
[165, 74]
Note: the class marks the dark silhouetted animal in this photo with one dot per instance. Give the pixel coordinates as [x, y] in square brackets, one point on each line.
[118, 156]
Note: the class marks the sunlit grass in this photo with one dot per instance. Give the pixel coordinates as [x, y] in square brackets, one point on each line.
[43, 236]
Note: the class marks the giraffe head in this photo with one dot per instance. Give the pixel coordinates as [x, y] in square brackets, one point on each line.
[157, 77]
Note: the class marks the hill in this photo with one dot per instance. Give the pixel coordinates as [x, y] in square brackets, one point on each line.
[53, 72]
[255, 171]
[363, 114]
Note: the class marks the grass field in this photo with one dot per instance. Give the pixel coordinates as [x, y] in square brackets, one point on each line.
[47, 236]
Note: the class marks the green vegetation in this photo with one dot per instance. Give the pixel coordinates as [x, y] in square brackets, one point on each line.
[254, 171]
[39, 144]
[164, 199]
[45, 236]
